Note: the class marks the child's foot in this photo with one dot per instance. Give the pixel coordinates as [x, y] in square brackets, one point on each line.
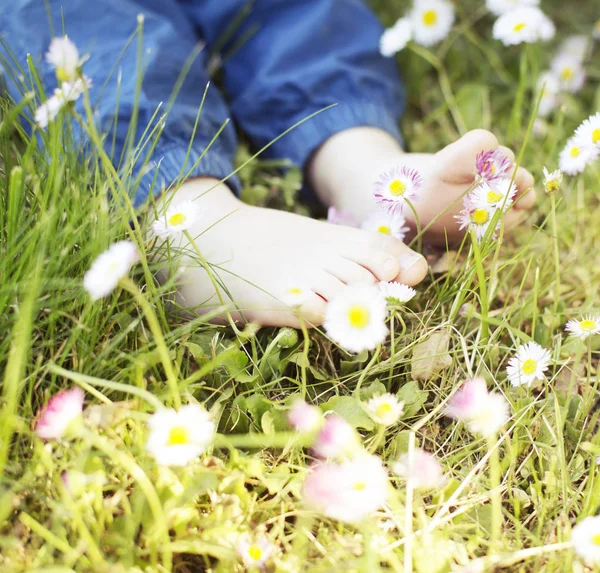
[345, 168]
[262, 252]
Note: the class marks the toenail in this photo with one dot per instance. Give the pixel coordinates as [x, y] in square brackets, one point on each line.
[409, 261]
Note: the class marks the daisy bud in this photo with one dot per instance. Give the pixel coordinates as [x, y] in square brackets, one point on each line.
[287, 337]
[552, 181]
[304, 418]
[254, 553]
[385, 409]
[336, 438]
[421, 469]
[59, 413]
[586, 540]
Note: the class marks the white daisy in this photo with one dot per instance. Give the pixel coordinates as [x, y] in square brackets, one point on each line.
[528, 365]
[355, 319]
[178, 218]
[550, 97]
[109, 268]
[295, 295]
[71, 91]
[394, 39]
[63, 96]
[496, 195]
[576, 156]
[421, 469]
[385, 409]
[586, 326]
[499, 7]
[64, 56]
[477, 218]
[396, 293]
[552, 181]
[589, 131]
[577, 47]
[178, 437]
[526, 24]
[399, 185]
[254, 552]
[431, 20]
[569, 72]
[48, 111]
[586, 540]
[390, 223]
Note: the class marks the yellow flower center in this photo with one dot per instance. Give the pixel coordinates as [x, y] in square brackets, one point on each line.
[397, 188]
[384, 229]
[493, 196]
[587, 325]
[480, 216]
[178, 436]
[519, 27]
[359, 486]
[62, 75]
[177, 219]
[430, 18]
[529, 366]
[552, 186]
[295, 291]
[567, 73]
[383, 410]
[596, 135]
[358, 316]
[575, 151]
[255, 552]
[596, 539]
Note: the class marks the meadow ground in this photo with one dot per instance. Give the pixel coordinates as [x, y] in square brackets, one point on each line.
[97, 501]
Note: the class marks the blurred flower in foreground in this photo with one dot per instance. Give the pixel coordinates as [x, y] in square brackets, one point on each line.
[394, 39]
[395, 188]
[295, 296]
[178, 218]
[431, 21]
[584, 327]
[55, 417]
[484, 412]
[528, 365]
[388, 223]
[254, 553]
[569, 72]
[336, 439]
[385, 409]
[64, 56]
[499, 7]
[396, 293]
[355, 319]
[68, 93]
[492, 166]
[304, 418]
[421, 469]
[527, 24]
[349, 491]
[178, 437]
[552, 181]
[341, 217]
[109, 268]
[586, 540]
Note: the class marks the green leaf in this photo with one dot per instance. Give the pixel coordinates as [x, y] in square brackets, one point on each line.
[350, 409]
[413, 397]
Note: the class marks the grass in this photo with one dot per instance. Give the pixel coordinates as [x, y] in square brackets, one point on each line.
[131, 516]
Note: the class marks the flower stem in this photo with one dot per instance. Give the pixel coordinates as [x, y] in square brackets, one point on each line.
[305, 349]
[483, 295]
[364, 373]
[495, 494]
[556, 254]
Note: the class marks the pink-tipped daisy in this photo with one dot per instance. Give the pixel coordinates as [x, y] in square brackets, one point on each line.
[492, 165]
[395, 188]
[56, 416]
[421, 469]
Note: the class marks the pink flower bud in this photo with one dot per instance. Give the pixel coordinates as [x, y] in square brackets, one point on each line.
[55, 417]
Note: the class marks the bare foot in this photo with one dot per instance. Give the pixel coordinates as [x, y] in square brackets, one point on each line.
[345, 168]
[258, 254]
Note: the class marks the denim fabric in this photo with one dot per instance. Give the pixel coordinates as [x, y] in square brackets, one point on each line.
[285, 60]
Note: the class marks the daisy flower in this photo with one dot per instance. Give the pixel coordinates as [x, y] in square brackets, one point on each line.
[341, 217]
[304, 418]
[526, 24]
[178, 218]
[64, 57]
[385, 409]
[393, 189]
[476, 218]
[48, 111]
[576, 156]
[390, 223]
[586, 540]
[355, 319]
[589, 132]
[528, 365]
[254, 552]
[349, 491]
[421, 469]
[497, 195]
[552, 181]
[109, 268]
[569, 73]
[484, 413]
[336, 439]
[60, 411]
[394, 39]
[295, 296]
[431, 21]
[584, 327]
[577, 47]
[396, 293]
[178, 437]
[492, 166]
[68, 93]
[499, 7]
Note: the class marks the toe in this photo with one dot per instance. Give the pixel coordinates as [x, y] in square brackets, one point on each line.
[349, 272]
[326, 285]
[509, 153]
[524, 182]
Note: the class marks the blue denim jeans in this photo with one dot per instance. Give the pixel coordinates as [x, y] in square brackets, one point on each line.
[283, 61]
